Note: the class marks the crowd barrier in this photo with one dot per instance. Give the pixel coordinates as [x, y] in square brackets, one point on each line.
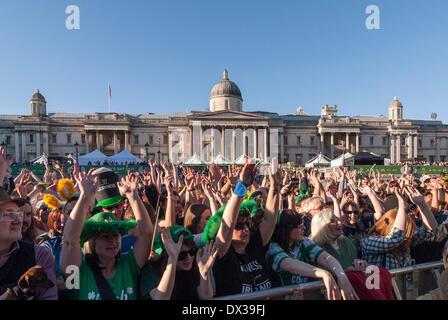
[408, 283]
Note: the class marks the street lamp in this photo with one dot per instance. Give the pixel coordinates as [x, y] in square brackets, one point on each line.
[147, 155]
[76, 149]
[158, 152]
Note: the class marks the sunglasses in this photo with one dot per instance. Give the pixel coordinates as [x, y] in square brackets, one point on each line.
[241, 225]
[183, 254]
[11, 216]
[118, 205]
[352, 212]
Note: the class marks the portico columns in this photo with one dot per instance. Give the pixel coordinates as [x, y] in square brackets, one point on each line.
[332, 145]
[115, 143]
[37, 144]
[255, 143]
[17, 146]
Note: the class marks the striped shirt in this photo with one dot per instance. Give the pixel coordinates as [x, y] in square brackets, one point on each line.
[304, 250]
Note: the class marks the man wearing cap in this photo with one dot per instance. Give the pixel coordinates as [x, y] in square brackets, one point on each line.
[17, 256]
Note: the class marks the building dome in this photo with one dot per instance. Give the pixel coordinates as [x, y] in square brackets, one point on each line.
[225, 87]
[38, 97]
[395, 103]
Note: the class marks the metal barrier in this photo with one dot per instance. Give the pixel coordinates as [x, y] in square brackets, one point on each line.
[408, 283]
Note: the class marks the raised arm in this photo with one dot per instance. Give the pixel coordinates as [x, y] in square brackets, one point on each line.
[71, 248]
[230, 215]
[165, 288]
[142, 246]
[271, 210]
[379, 210]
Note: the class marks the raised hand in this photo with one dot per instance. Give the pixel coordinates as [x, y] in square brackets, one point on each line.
[168, 180]
[5, 163]
[128, 185]
[172, 248]
[146, 179]
[414, 195]
[248, 173]
[87, 182]
[206, 257]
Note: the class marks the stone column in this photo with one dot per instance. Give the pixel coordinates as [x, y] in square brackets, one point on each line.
[255, 143]
[126, 140]
[233, 145]
[115, 142]
[17, 147]
[332, 145]
[244, 142]
[37, 144]
[212, 144]
[392, 148]
[409, 143]
[398, 148]
[357, 142]
[265, 137]
[223, 141]
[282, 147]
[24, 146]
[201, 144]
[97, 134]
[322, 143]
[347, 142]
[415, 138]
[87, 142]
[46, 144]
[437, 148]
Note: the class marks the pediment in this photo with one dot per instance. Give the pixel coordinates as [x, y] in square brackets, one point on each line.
[234, 115]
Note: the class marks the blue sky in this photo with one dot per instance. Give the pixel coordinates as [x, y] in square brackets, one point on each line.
[165, 56]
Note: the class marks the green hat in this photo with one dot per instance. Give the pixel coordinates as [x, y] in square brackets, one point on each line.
[300, 196]
[104, 222]
[109, 202]
[175, 232]
[211, 228]
[248, 207]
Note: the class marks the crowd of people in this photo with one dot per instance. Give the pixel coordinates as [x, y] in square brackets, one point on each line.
[176, 233]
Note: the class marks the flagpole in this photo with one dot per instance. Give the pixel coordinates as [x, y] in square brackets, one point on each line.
[108, 98]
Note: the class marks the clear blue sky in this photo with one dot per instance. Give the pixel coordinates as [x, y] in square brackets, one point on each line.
[165, 56]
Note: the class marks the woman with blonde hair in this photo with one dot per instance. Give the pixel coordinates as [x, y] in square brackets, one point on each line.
[327, 232]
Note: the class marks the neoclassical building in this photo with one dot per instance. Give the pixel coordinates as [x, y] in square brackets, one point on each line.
[225, 129]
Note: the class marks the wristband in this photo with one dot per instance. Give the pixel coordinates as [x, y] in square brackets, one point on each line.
[240, 189]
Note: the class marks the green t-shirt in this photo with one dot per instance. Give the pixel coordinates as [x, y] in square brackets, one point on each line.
[304, 250]
[346, 254]
[123, 284]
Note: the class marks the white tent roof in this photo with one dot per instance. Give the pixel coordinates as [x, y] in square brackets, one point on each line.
[241, 160]
[338, 161]
[124, 157]
[219, 159]
[93, 157]
[320, 158]
[41, 160]
[195, 159]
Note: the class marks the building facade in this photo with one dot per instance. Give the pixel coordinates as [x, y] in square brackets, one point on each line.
[225, 129]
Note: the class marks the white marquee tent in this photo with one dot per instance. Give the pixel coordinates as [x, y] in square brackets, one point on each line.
[320, 158]
[220, 160]
[124, 157]
[40, 160]
[92, 157]
[339, 161]
[195, 160]
[241, 160]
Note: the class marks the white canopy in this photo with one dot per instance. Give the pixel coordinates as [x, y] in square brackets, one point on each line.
[339, 161]
[124, 157]
[220, 160]
[194, 160]
[40, 160]
[241, 160]
[320, 158]
[92, 157]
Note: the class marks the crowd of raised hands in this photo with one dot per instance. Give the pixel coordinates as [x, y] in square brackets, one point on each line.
[164, 195]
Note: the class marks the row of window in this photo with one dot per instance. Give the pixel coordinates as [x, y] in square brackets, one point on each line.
[300, 139]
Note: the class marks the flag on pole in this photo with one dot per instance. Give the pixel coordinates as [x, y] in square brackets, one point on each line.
[110, 97]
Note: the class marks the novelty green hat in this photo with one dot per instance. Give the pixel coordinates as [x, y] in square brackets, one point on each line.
[109, 202]
[248, 207]
[175, 232]
[211, 228]
[104, 222]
